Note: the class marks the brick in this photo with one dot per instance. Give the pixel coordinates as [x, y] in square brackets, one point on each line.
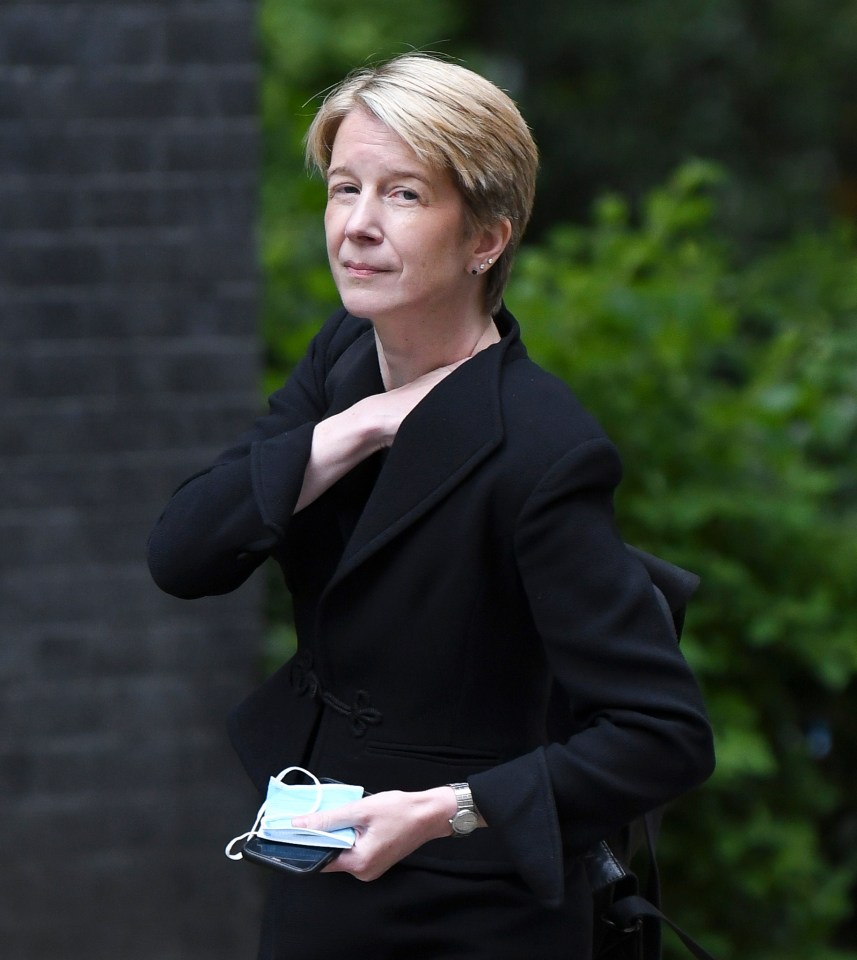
[126, 93]
[64, 652]
[36, 37]
[73, 713]
[66, 149]
[175, 894]
[115, 536]
[74, 34]
[129, 357]
[49, 373]
[191, 92]
[80, 592]
[115, 368]
[125, 206]
[234, 146]
[22, 98]
[224, 636]
[85, 481]
[174, 256]
[51, 155]
[228, 200]
[31, 260]
[198, 36]
[121, 427]
[157, 309]
[131, 36]
[23, 205]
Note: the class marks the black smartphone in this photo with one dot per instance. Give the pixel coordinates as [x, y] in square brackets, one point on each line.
[291, 857]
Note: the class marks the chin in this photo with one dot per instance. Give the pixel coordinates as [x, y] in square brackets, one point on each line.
[362, 306]
[357, 306]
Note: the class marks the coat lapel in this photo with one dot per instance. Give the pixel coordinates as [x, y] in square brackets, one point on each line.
[355, 374]
[454, 429]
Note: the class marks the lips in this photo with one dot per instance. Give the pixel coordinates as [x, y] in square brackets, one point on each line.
[359, 269]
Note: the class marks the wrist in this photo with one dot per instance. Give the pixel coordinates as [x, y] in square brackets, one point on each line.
[466, 818]
[439, 807]
[375, 425]
[352, 435]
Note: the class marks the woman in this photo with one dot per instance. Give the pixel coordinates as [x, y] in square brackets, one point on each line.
[441, 509]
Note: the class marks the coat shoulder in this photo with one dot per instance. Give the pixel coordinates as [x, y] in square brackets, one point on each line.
[550, 437]
[542, 412]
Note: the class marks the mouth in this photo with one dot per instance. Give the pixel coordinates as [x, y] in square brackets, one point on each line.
[357, 269]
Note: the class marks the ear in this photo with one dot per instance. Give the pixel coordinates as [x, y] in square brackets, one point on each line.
[492, 240]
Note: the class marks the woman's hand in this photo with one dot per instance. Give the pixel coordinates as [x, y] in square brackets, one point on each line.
[389, 409]
[389, 826]
[342, 441]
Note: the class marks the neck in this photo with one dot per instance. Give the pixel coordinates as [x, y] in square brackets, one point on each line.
[406, 354]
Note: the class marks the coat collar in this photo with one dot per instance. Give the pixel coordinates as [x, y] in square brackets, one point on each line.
[454, 429]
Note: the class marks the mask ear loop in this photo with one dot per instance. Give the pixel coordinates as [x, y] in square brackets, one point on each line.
[254, 830]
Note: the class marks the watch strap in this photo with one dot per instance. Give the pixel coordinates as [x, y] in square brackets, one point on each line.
[466, 816]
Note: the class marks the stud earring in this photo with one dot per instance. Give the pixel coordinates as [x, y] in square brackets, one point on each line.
[481, 266]
[474, 271]
[490, 260]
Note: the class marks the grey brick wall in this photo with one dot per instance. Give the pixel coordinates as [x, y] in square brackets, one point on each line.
[128, 356]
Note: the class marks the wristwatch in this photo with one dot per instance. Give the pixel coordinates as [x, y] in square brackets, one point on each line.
[466, 817]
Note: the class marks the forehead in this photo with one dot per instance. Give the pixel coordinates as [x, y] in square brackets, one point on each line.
[367, 149]
[362, 137]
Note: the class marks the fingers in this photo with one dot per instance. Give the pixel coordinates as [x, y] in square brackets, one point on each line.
[366, 860]
[348, 815]
[361, 861]
[388, 829]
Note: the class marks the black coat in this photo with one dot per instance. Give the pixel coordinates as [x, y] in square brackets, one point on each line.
[435, 621]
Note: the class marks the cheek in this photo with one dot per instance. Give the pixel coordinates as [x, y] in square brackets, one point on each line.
[332, 229]
[436, 251]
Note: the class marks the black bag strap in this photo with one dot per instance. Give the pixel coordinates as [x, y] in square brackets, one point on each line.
[627, 912]
[609, 878]
[628, 908]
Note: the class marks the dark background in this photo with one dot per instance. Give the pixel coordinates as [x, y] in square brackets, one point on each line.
[128, 351]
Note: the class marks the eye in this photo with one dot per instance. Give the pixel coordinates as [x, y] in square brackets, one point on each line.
[342, 189]
[406, 194]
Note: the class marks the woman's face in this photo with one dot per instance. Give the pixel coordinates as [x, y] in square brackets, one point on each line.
[396, 234]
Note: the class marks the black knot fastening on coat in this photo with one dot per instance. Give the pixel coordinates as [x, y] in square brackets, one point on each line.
[360, 714]
[302, 676]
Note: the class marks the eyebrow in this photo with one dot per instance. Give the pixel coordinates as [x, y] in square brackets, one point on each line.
[403, 174]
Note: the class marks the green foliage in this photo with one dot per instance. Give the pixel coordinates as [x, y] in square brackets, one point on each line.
[731, 393]
[620, 92]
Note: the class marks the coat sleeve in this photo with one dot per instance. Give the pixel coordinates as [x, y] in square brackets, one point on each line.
[222, 523]
[638, 735]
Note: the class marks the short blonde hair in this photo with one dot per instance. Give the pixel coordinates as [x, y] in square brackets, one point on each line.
[451, 118]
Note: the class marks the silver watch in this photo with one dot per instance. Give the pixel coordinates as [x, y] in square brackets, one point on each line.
[466, 817]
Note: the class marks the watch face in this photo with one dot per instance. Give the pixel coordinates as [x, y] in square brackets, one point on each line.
[464, 822]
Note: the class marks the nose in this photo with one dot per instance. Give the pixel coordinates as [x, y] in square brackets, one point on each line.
[363, 223]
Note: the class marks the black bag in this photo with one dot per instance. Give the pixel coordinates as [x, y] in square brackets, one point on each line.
[627, 924]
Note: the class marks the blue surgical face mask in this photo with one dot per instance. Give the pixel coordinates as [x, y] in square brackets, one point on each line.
[287, 800]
